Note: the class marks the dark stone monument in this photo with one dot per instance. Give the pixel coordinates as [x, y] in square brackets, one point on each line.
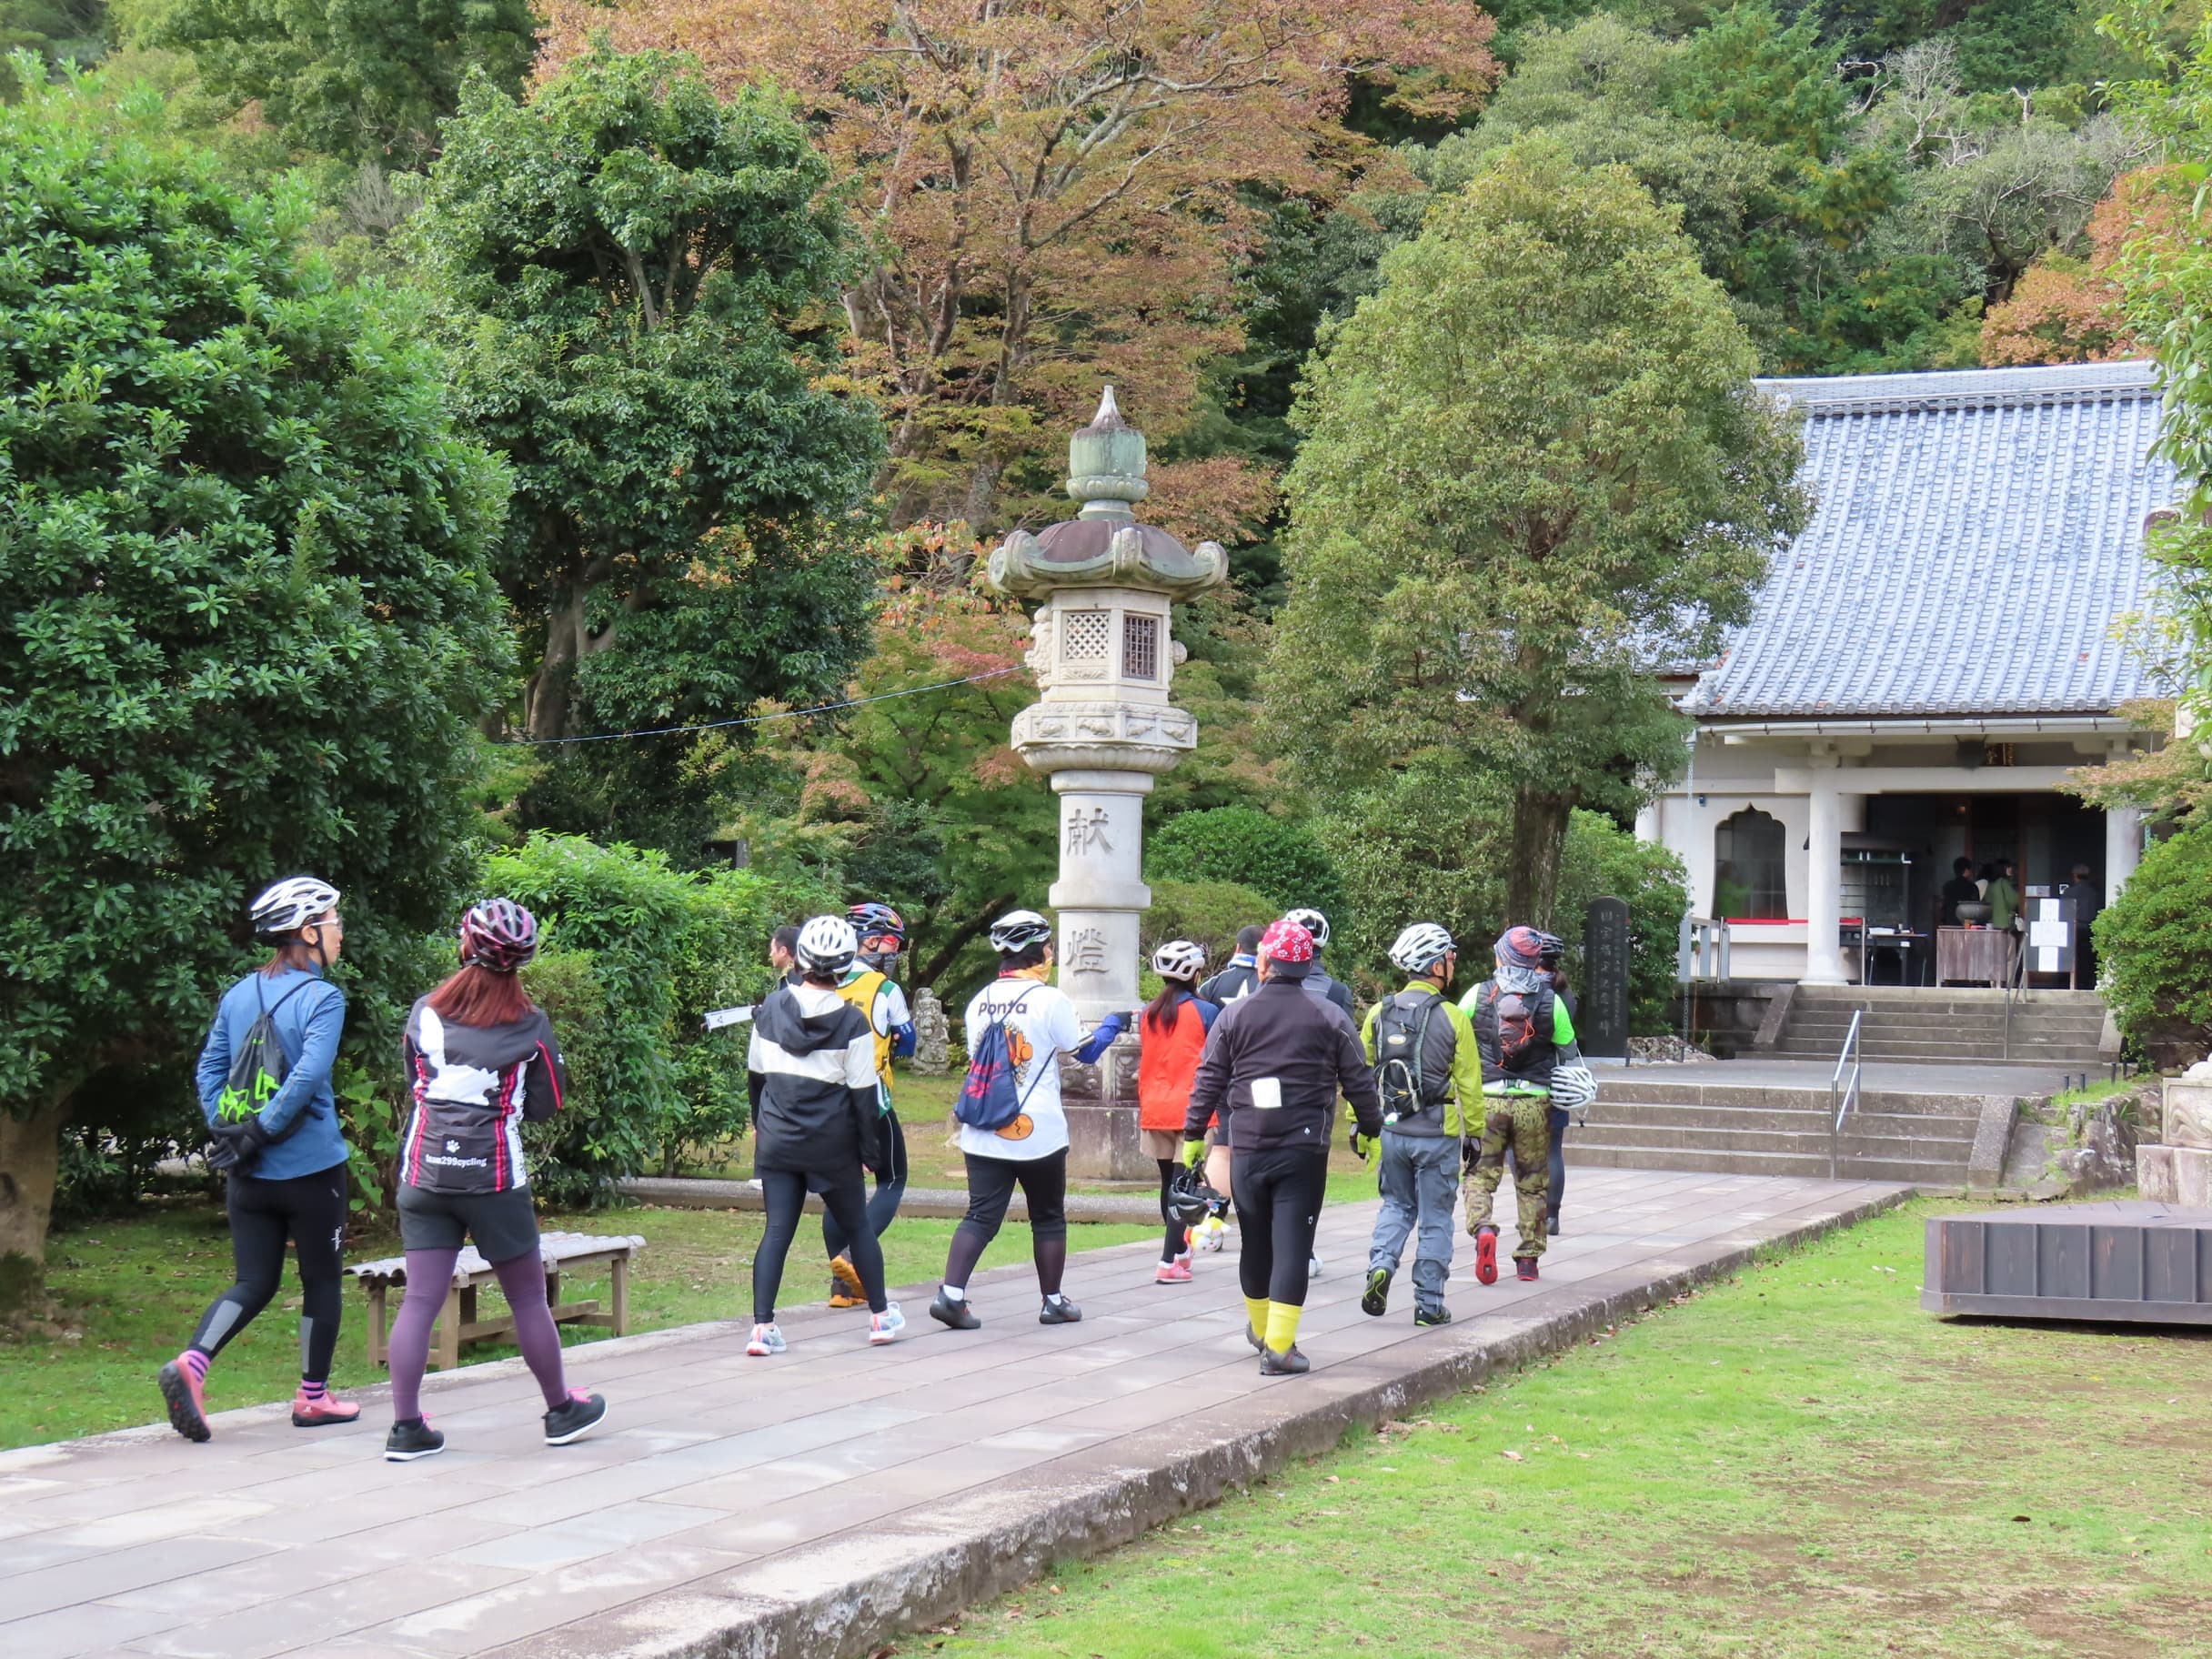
[1603, 1025]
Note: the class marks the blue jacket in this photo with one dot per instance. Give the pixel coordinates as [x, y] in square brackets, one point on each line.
[308, 1026]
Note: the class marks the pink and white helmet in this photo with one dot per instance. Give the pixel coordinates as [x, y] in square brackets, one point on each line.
[498, 934]
[1286, 941]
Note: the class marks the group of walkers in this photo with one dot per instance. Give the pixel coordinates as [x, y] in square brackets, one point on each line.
[1238, 1078]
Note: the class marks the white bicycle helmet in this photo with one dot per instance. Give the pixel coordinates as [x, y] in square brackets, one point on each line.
[1018, 931]
[1421, 947]
[1313, 923]
[1574, 1088]
[826, 945]
[1179, 959]
[284, 907]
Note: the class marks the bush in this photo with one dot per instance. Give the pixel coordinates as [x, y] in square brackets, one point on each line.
[636, 952]
[1274, 857]
[2150, 943]
[1207, 913]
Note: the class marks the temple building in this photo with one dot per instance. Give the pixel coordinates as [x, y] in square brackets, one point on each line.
[1923, 667]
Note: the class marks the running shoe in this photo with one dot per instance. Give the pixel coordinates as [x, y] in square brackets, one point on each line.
[1060, 1312]
[1427, 1318]
[1291, 1364]
[320, 1413]
[1551, 1225]
[1525, 1266]
[957, 1314]
[766, 1339]
[1314, 1267]
[884, 1327]
[186, 1398]
[1486, 1254]
[839, 1299]
[848, 1279]
[1177, 1272]
[1210, 1234]
[575, 1417]
[1375, 1301]
[412, 1439]
[1253, 1337]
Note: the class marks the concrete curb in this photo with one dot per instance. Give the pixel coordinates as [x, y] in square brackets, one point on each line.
[847, 1595]
[942, 1203]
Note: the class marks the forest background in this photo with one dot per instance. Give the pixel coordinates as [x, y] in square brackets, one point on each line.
[746, 325]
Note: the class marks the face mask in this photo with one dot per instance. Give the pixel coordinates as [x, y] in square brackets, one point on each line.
[882, 961]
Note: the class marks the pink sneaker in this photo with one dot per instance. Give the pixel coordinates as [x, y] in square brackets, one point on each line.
[186, 1397]
[318, 1413]
[1177, 1272]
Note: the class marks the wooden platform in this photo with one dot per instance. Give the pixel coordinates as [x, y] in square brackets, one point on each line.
[2145, 1263]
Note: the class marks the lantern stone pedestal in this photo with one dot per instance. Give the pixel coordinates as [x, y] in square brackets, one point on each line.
[1103, 728]
[2178, 1169]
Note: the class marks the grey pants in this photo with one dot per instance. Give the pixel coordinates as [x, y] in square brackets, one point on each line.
[1420, 1183]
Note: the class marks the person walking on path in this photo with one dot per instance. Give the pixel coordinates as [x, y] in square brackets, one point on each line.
[1233, 984]
[1429, 1073]
[1271, 1069]
[1174, 1026]
[868, 987]
[1037, 1024]
[1571, 1086]
[1523, 1032]
[817, 1119]
[1317, 982]
[1240, 978]
[481, 1059]
[264, 1081]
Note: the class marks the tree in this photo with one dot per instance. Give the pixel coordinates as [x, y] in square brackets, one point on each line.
[1535, 470]
[1056, 193]
[2072, 310]
[363, 80]
[634, 274]
[245, 565]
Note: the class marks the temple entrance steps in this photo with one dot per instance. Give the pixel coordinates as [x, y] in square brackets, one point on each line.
[1938, 1024]
[1743, 1130]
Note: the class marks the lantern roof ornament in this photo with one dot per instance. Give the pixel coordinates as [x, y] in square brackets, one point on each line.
[1104, 546]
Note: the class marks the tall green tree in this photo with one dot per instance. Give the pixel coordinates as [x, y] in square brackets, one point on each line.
[637, 280]
[248, 611]
[363, 80]
[1534, 469]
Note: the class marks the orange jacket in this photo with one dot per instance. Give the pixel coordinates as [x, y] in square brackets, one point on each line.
[1167, 1062]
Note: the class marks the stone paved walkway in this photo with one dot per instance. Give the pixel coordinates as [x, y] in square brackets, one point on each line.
[806, 1504]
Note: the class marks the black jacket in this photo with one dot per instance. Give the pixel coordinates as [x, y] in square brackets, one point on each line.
[812, 1075]
[1233, 984]
[1274, 1066]
[474, 1086]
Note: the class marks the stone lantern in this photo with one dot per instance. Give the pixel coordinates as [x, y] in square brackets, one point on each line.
[1103, 728]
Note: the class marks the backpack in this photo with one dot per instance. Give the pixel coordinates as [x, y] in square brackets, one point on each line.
[992, 1096]
[1519, 1041]
[1398, 1070]
[259, 1069]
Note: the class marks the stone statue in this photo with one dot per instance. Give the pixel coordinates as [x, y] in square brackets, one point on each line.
[932, 1035]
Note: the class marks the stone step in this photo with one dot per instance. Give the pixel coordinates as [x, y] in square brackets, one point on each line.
[1877, 995]
[1929, 1110]
[1820, 1101]
[1886, 1020]
[1948, 1126]
[1719, 1162]
[1898, 1149]
[2066, 1057]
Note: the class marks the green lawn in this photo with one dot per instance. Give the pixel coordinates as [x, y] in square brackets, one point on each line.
[1797, 1464]
[125, 1295]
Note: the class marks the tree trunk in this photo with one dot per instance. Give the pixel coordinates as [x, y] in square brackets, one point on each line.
[30, 1157]
[941, 957]
[547, 712]
[1532, 869]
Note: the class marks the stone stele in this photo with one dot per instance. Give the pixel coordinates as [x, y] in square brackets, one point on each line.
[1101, 729]
[2178, 1169]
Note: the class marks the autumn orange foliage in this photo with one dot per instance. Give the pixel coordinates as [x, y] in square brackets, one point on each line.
[2067, 311]
[1055, 192]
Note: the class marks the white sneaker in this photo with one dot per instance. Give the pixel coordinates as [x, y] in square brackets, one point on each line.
[1314, 1267]
[766, 1339]
[885, 1326]
[1210, 1234]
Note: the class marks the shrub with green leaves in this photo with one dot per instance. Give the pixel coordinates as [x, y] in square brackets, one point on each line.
[1207, 913]
[1277, 857]
[2157, 970]
[637, 952]
[246, 616]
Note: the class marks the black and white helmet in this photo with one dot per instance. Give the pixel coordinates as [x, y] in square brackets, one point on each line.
[826, 945]
[1421, 947]
[1018, 931]
[1179, 959]
[284, 907]
[1313, 923]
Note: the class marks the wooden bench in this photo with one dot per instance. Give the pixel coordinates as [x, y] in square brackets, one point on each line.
[459, 1323]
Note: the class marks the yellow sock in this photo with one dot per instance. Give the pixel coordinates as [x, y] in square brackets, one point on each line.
[1282, 1326]
[1255, 1310]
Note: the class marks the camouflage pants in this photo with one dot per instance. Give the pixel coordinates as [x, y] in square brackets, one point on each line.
[1521, 1122]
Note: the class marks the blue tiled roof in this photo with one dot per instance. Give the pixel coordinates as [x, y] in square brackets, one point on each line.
[1976, 537]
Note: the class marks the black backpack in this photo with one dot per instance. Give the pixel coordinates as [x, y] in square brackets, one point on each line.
[1399, 1047]
[259, 1069]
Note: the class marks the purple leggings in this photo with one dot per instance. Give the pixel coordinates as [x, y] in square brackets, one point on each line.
[522, 1281]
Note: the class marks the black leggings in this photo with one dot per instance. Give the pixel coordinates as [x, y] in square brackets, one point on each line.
[310, 1210]
[991, 1188]
[1278, 1193]
[1177, 1237]
[784, 1193]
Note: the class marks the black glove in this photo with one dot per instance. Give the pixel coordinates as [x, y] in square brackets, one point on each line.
[236, 1146]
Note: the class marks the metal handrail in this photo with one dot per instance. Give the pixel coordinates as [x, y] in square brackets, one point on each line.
[1849, 1093]
[2016, 985]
